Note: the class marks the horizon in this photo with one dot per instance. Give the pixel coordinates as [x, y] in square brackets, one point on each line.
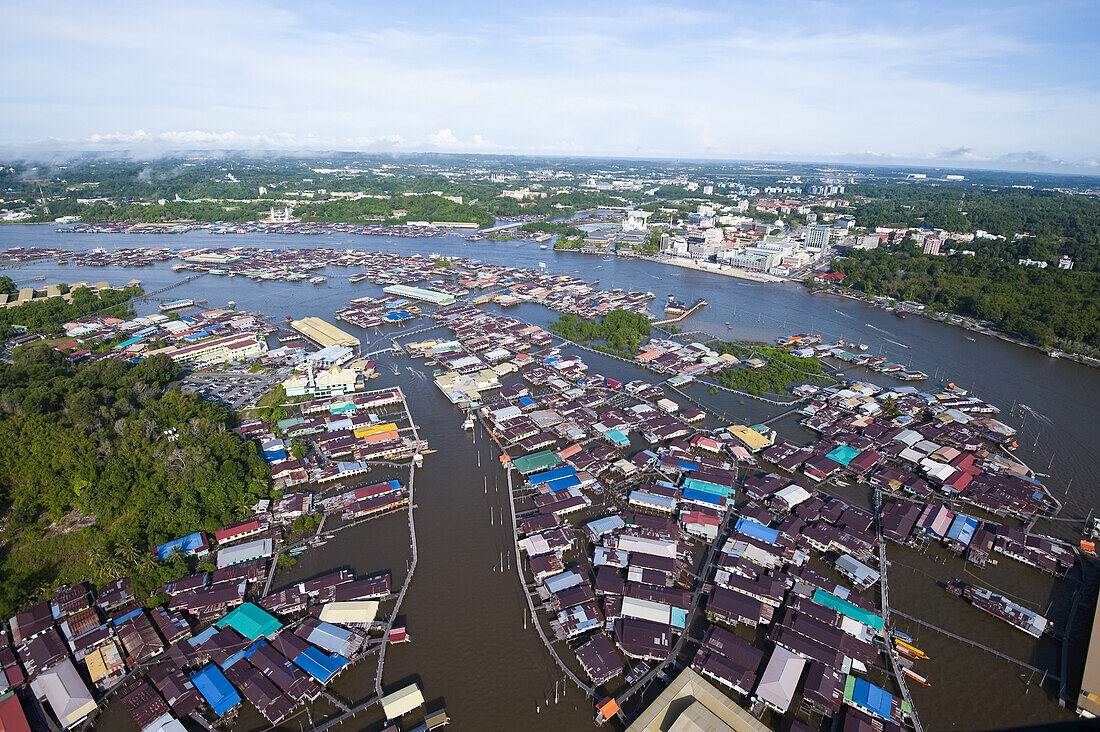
[939, 86]
[239, 156]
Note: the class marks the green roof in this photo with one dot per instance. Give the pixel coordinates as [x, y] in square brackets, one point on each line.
[829, 600]
[842, 454]
[250, 621]
[536, 461]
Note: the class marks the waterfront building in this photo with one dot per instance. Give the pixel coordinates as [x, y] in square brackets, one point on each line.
[67, 695]
[324, 333]
[419, 293]
[692, 702]
[210, 351]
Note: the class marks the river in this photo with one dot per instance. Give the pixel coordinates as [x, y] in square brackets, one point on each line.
[469, 646]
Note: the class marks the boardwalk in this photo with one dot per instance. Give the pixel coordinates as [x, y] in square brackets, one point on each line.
[412, 564]
[535, 620]
[884, 588]
[1046, 674]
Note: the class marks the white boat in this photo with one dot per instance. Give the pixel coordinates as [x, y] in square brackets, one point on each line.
[318, 280]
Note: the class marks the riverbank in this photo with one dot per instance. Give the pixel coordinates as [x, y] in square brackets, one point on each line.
[960, 321]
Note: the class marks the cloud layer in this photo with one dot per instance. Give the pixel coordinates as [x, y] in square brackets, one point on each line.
[958, 83]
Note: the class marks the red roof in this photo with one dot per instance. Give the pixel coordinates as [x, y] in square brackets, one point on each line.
[244, 527]
[12, 718]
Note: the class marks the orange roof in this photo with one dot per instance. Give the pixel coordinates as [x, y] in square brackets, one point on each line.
[608, 707]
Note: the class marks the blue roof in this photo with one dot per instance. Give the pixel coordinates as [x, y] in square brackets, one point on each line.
[690, 494]
[319, 664]
[646, 496]
[685, 465]
[679, 618]
[563, 484]
[133, 613]
[548, 475]
[198, 640]
[216, 689]
[183, 545]
[527, 401]
[757, 530]
[873, 698]
[273, 455]
[707, 487]
[962, 529]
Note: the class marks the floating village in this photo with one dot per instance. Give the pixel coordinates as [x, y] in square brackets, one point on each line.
[684, 570]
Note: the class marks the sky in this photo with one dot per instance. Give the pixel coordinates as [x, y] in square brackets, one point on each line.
[1009, 85]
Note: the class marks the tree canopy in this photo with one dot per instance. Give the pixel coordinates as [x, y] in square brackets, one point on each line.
[89, 482]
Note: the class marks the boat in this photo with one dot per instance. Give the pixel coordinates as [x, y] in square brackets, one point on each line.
[1001, 607]
[1052, 353]
[317, 280]
[903, 636]
[862, 346]
[543, 246]
[910, 649]
[62, 261]
[970, 338]
[358, 278]
[468, 424]
[915, 676]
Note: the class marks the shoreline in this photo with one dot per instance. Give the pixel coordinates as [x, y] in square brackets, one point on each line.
[992, 333]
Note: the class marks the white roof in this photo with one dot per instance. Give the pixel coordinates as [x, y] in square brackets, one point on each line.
[793, 495]
[165, 723]
[939, 471]
[780, 678]
[643, 545]
[909, 437]
[402, 701]
[351, 611]
[68, 696]
[657, 612]
[244, 552]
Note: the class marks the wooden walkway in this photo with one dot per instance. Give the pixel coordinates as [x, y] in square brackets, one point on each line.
[535, 620]
[1046, 674]
[412, 564]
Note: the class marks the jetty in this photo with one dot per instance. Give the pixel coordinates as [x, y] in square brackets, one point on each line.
[691, 311]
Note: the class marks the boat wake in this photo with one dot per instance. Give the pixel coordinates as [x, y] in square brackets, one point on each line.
[846, 315]
[886, 332]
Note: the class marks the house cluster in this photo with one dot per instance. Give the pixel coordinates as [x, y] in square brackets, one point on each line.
[344, 434]
[666, 356]
[201, 340]
[75, 650]
[807, 346]
[935, 444]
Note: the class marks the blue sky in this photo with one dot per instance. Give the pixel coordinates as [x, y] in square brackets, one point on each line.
[969, 84]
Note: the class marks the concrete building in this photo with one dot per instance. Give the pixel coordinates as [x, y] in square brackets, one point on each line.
[817, 237]
[328, 382]
[932, 245]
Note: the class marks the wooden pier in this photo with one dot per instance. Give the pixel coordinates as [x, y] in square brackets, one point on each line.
[682, 316]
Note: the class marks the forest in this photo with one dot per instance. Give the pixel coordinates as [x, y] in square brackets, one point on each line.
[47, 315]
[89, 482]
[620, 331]
[1044, 306]
[1059, 223]
[782, 371]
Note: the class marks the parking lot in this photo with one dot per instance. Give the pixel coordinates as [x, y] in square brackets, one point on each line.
[233, 389]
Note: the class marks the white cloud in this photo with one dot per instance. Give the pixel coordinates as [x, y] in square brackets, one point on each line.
[447, 141]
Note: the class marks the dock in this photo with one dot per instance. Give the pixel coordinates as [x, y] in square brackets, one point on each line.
[691, 311]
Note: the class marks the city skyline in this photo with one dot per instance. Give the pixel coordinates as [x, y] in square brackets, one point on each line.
[984, 86]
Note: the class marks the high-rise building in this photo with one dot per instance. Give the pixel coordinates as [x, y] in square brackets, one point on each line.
[817, 237]
[932, 245]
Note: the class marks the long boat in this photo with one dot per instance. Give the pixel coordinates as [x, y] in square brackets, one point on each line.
[1001, 607]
